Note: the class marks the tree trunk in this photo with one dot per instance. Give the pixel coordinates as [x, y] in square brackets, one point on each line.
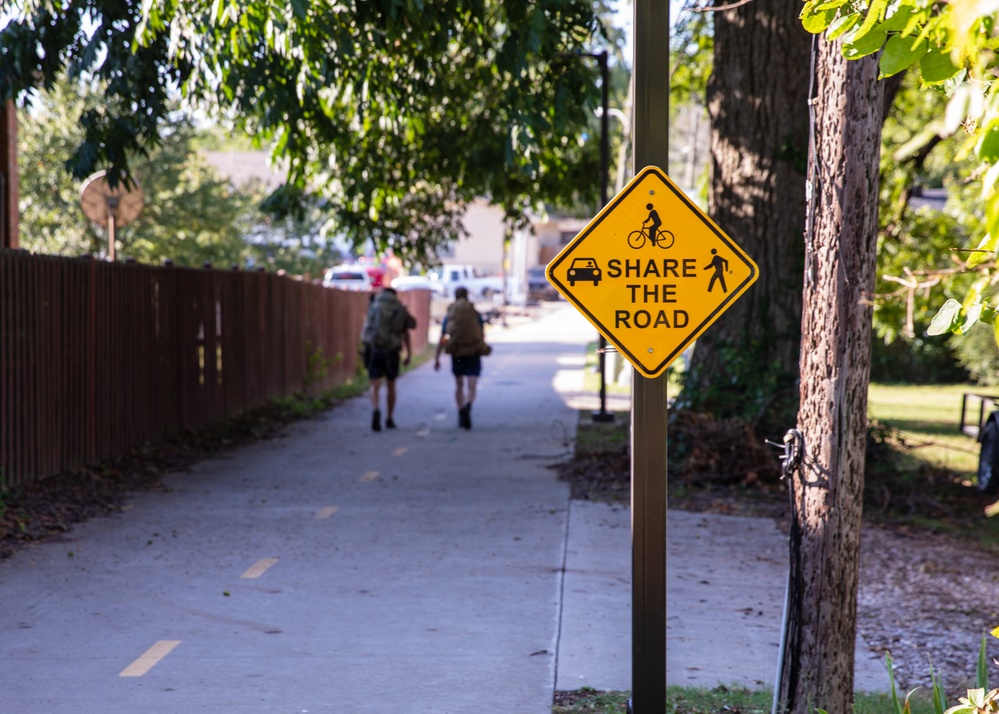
[759, 141]
[840, 260]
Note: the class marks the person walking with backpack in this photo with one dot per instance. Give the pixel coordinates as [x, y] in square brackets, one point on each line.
[386, 332]
[462, 338]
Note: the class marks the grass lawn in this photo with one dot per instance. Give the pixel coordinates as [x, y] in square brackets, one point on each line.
[687, 700]
[591, 374]
[928, 418]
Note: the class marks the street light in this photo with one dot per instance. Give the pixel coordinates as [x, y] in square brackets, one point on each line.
[603, 415]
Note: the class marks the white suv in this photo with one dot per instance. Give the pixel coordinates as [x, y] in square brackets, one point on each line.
[347, 277]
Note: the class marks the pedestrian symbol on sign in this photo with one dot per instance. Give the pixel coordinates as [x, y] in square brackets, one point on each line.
[720, 266]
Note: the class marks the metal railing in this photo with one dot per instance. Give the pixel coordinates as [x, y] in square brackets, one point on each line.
[97, 358]
[986, 403]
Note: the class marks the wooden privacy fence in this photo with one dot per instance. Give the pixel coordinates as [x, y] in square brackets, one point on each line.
[97, 358]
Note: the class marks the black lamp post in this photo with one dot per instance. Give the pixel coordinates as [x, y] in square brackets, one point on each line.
[603, 415]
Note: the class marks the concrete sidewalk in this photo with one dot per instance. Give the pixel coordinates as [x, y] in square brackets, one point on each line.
[725, 581]
[421, 569]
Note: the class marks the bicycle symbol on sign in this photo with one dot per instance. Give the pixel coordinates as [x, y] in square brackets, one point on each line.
[651, 232]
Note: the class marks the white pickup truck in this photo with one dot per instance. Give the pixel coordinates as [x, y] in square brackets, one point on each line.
[451, 276]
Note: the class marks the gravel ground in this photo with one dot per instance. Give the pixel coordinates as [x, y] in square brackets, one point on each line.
[925, 598]
[928, 599]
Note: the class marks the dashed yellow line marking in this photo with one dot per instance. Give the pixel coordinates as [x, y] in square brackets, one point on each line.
[149, 659]
[323, 513]
[400, 451]
[258, 568]
[369, 476]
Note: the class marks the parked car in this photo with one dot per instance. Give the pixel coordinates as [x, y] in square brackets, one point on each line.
[452, 276]
[414, 282]
[347, 277]
[538, 287]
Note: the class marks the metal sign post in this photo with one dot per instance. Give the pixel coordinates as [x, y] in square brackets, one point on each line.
[648, 395]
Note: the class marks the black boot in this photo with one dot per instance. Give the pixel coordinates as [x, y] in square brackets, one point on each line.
[465, 417]
[376, 420]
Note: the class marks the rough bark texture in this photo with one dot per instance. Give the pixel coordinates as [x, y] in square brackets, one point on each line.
[840, 261]
[757, 101]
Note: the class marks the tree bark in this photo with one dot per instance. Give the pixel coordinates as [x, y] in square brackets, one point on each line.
[827, 491]
[759, 141]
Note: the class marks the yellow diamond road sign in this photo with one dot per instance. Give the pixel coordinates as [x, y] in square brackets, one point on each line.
[651, 271]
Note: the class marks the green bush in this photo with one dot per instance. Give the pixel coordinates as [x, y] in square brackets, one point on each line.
[918, 360]
[978, 354]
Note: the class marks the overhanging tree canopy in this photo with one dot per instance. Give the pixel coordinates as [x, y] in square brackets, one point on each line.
[397, 112]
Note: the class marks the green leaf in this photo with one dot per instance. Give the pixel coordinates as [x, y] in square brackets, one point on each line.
[896, 707]
[988, 145]
[823, 5]
[816, 23]
[842, 24]
[864, 45]
[944, 318]
[937, 67]
[875, 15]
[939, 698]
[985, 251]
[971, 316]
[900, 54]
[899, 21]
[982, 678]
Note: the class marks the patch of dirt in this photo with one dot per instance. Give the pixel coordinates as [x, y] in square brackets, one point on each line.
[603, 477]
[927, 598]
[927, 594]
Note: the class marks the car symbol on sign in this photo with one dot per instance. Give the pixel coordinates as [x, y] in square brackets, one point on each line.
[584, 269]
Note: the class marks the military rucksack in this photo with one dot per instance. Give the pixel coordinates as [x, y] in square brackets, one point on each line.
[387, 321]
[464, 329]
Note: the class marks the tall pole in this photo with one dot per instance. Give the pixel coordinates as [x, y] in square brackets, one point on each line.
[9, 211]
[648, 426]
[603, 415]
[111, 255]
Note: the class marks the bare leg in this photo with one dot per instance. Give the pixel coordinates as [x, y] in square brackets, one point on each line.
[472, 382]
[459, 391]
[389, 398]
[376, 416]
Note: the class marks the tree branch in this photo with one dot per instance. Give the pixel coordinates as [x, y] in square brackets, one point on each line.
[721, 8]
